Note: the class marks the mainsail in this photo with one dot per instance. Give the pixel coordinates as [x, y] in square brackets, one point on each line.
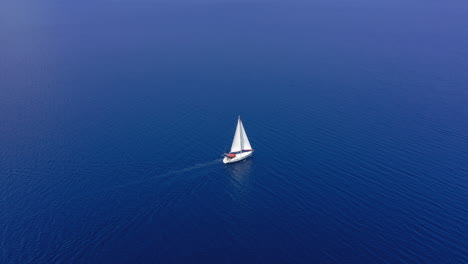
[240, 141]
[237, 142]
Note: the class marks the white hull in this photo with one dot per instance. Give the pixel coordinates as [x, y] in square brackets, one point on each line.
[238, 157]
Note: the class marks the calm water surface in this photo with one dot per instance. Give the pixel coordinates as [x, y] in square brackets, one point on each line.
[113, 116]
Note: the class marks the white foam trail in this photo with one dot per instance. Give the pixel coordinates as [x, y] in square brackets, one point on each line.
[194, 167]
[159, 176]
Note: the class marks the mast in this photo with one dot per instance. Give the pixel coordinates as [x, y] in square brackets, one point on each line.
[241, 137]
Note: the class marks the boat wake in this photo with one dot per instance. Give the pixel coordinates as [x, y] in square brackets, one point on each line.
[160, 176]
[191, 168]
[168, 191]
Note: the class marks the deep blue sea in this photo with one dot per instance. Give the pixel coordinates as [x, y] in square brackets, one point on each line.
[114, 116]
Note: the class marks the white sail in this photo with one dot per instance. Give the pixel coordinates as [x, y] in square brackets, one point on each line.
[240, 141]
[237, 141]
[244, 139]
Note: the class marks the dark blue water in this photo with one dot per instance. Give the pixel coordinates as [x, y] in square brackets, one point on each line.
[113, 116]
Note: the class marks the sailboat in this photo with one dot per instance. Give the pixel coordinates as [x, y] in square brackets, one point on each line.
[240, 149]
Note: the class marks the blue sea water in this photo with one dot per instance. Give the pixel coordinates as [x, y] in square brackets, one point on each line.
[113, 116]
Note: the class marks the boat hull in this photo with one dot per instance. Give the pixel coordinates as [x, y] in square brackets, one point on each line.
[238, 157]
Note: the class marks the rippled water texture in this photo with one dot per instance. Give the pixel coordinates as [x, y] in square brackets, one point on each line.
[113, 116]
